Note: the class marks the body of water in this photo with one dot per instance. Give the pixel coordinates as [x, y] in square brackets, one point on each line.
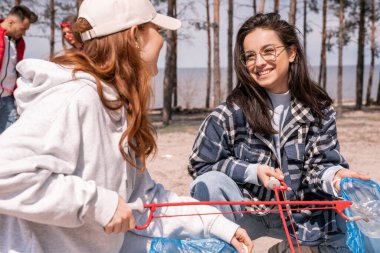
[192, 85]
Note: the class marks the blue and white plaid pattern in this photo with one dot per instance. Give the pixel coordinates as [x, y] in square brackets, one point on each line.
[226, 143]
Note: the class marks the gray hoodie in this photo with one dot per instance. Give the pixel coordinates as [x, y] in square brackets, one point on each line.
[61, 171]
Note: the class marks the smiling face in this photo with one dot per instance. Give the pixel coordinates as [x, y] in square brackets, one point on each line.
[271, 73]
[151, 43]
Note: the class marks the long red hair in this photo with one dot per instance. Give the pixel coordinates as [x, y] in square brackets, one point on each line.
[116, 61]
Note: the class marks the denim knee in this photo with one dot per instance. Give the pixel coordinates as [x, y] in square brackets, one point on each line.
[8, 112]
[215, 185]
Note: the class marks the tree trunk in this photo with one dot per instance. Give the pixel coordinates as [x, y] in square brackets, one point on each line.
[230, 34]
[360, 59]
[372, 66]
[79, 2]
[378, 92]
[169, 69]
[322, 66]
[276, 6]
[324, 78]
[254, 7]
[378, 87]
[340, 59]
[175, 80]
[17, 2]
[52, 28]
[208, 27]
[217, 94]
[292, 12]
[261, 6]
[175, 74]
[304, 27]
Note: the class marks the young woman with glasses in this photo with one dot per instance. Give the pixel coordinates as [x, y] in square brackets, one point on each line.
[75, 160]
[278, 123]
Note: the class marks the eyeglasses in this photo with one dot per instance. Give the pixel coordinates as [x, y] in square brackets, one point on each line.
[268, 53]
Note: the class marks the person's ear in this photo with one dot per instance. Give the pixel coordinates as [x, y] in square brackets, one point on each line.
[135, 36]
[292, 53]
[11, 21]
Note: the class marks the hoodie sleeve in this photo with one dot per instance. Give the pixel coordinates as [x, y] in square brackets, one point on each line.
[197, 226]
[38, 157]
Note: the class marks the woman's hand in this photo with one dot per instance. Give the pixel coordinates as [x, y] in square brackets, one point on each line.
[264, 172]
[347, 173]
[240, 239]
[123, 219]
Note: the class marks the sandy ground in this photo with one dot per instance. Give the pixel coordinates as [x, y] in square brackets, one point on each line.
[358, 133]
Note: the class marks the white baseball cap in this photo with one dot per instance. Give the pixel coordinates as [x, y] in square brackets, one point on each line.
[112, 16]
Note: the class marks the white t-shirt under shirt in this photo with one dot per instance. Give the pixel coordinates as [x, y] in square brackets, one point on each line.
[8, 73]
[281, 104]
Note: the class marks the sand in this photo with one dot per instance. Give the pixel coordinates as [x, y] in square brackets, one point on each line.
[358, 134]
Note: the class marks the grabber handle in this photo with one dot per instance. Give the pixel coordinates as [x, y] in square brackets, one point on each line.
[273, 182]
[137, 205]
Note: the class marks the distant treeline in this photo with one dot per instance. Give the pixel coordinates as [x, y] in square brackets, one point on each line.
[356, 19]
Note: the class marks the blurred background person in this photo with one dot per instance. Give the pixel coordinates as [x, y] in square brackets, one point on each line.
[12, 48]
[69, 38]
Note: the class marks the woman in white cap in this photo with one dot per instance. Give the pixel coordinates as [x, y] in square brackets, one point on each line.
[77, 156]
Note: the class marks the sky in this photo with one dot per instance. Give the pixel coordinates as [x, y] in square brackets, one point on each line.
[192, 52]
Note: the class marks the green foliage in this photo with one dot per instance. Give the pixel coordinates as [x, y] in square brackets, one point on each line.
[313, 6]
[351, 23]
[42, 9]
[5, 6]
[158, 2]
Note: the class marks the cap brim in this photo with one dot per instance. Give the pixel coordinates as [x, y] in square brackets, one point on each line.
[166, 22]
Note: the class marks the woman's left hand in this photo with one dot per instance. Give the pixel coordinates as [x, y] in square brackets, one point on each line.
[242, 238]
[347, 173]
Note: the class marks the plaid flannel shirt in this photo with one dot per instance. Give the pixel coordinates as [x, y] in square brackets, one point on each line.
[226, 143]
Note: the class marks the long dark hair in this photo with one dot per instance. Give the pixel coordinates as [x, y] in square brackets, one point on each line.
[252, 98]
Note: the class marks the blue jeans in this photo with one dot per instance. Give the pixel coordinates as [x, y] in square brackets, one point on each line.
[217, 186]
[8, 112]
